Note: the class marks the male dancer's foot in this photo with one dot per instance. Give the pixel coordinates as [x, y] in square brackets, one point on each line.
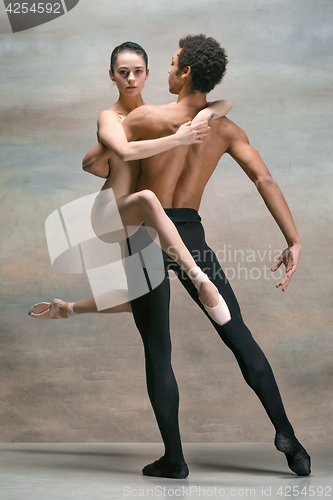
[163, 468]
[298, 459]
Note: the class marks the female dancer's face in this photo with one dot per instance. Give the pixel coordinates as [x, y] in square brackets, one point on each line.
[130, 73]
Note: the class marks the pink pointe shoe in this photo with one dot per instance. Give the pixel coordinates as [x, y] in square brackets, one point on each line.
[57, 309]
[219, 313]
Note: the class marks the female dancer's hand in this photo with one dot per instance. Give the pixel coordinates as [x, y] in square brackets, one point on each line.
[290, 258]
[191, 134]
[205, 114]
[213, 110]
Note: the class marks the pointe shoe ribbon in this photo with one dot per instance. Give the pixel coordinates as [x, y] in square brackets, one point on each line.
[219, 313]
[57, 309]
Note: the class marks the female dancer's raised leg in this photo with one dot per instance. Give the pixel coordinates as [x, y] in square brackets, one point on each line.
[136, 209]
[89, 306]
[59, 309]
[144, 207]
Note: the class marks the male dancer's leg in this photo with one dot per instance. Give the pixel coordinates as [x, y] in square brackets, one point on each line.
[151, 315]
[252, 361]
[235, 334]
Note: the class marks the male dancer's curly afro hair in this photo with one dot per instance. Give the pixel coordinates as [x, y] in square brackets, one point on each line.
[207, 60]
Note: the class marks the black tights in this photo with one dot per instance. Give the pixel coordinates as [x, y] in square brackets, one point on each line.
[151, 315]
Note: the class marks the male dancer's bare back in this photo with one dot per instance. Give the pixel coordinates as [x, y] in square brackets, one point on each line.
[178, 178]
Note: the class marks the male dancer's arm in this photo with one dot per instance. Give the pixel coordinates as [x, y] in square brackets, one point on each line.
[250, 161]
[252, 164]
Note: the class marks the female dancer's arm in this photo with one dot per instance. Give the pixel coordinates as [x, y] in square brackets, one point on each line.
[96, 160]
[113, 141]
[215, 109]
[112, 135]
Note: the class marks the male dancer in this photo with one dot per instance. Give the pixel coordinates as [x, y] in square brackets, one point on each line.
[178, 178]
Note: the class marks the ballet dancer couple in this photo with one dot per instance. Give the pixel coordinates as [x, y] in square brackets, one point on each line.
[158, 160]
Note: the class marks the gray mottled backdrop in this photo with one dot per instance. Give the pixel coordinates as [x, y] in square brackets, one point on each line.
[83, 379]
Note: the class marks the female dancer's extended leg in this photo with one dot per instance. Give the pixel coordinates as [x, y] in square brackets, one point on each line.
[136, 209]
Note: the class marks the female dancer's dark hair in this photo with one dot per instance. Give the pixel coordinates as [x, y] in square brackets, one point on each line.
[127, 47]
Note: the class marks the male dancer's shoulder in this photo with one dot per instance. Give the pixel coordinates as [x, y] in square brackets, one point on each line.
[230, 132]
[145, 122]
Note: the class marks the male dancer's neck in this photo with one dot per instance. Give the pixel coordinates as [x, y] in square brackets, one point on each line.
[190, 98]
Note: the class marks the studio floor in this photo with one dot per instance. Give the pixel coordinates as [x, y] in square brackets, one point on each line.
[105, 471]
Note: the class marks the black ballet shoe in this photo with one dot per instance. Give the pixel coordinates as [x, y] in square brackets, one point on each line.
[158, 469]
[298, 459]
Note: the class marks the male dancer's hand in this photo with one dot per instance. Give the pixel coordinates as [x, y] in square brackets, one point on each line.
[290, 258]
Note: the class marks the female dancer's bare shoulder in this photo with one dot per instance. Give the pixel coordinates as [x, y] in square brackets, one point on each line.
[110, 116]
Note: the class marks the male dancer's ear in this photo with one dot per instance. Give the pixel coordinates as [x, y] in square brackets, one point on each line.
[186, 72]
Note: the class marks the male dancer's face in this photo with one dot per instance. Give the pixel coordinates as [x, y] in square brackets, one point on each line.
[176, 81]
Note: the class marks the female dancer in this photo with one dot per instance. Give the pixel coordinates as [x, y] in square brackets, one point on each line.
[111, 158]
